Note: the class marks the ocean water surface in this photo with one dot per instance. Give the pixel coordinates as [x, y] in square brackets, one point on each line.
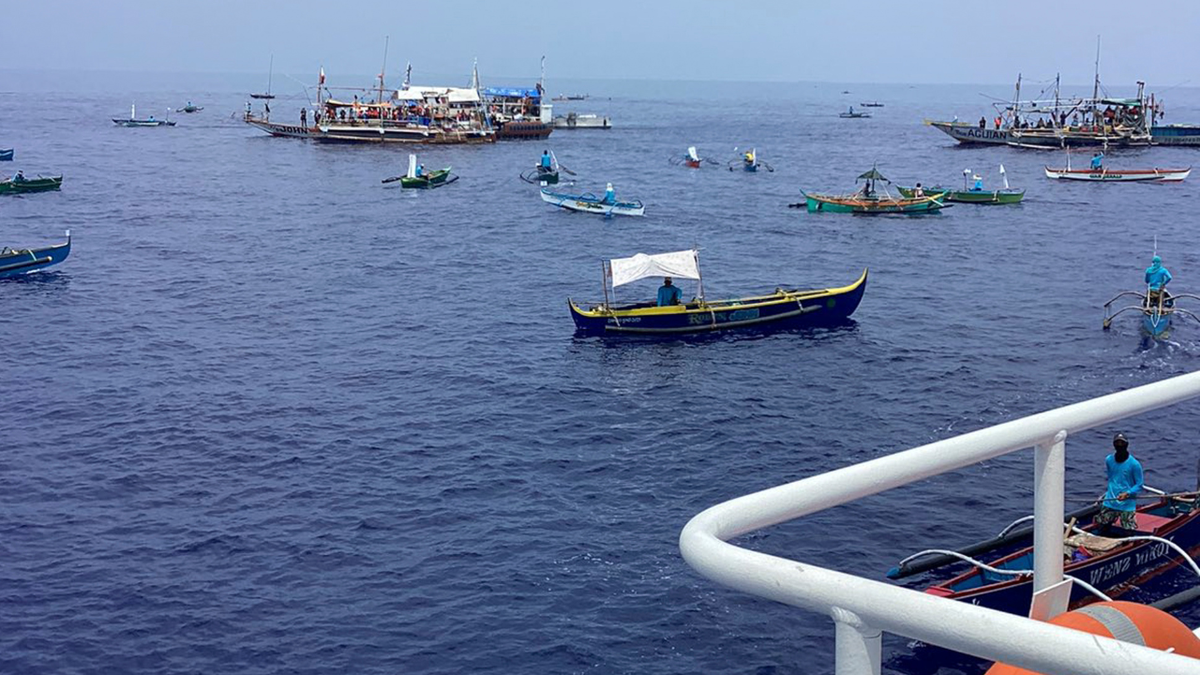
[270, 417]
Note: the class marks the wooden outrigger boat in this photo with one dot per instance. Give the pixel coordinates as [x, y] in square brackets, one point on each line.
[1156, 307]
[189, 108]
[590, 203]
[872, 104]
[542, 175]
[851, 115]
[783, 309]
[16, 262]
[749, 162]
[1106, 175]
[133, 120]
[969, 195]
[434, 179]
[692, 159]
[867, 202]
[1110, 564]
[6, 155]
[19, 185]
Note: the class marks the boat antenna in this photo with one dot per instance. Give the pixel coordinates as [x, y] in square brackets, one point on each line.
[270, 72]
[1096, 83]
[1155, 244]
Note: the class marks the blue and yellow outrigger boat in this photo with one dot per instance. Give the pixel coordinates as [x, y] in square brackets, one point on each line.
[785, 308]
[15, 262]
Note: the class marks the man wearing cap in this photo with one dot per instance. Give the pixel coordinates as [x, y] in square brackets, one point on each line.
[1124, 484]
[668, 294]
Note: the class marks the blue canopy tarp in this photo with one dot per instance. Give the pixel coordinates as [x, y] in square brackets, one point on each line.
[511, 92]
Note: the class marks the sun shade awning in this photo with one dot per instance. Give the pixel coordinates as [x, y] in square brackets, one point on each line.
[678, 264]
[873, 174]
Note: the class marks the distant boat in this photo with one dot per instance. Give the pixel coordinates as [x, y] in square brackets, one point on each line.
[1106, 175]
[590, 203]
[15, 262]
[133, 121]
[571, 97]
[6, 155]
[270, 72]
[434, 179]
[18, 185]
[867, 201]
[872, 104]
[577, 121]
[850, 114]
[189, 108]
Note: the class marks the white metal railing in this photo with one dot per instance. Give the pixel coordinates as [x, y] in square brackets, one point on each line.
[862, 608]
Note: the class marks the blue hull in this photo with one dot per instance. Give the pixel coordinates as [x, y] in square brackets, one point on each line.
[750, 313]
[6, 155]
[1156, 325]
[1111, 572]
[17, 263]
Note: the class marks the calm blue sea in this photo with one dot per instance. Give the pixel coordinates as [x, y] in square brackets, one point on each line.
[271, 417]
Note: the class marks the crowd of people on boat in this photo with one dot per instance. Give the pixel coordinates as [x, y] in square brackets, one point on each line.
[1111, 117]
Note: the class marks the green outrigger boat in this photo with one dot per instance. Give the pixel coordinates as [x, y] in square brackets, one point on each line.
[969, 194]
[434, 179]
[19, 184]
[868, 201]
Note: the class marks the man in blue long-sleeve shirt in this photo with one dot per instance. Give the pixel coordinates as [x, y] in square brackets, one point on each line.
[1124, 484]
[668, 294]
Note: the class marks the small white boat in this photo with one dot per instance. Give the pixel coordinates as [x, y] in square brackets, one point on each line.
[577, 121]
[1105, 174]
[590, 203]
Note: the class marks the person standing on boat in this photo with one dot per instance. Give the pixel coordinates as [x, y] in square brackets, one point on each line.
[982, 122]
[610, 197]
[1157, 278]
[668, 294]
[1097, 160]
[546, 161]
[1124, 483]
[304, 118]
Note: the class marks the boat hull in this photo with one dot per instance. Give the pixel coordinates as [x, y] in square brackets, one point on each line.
[1175, 134]
[591, 204]
[435, 179]
[1111, 572]
[969, 196]
[143, 123]
[523, 130]
[582, 122]
[850, 204]
[1037, 138]
[18, 263]
[39, 184]
[783, 310]
[373, 132]
[6, 155]
[1116, 176]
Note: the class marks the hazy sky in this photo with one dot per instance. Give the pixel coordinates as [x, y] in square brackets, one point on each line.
[930, 41]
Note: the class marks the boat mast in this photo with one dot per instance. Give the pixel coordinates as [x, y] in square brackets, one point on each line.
[270, 72]
[1096, 83]
[382, 69]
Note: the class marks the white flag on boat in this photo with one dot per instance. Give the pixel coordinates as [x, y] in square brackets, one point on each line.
[678, 264]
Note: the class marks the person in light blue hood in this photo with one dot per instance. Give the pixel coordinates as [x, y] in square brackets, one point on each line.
[1157, 276]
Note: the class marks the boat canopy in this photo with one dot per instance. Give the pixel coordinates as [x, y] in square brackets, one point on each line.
[453, 94]
[679, 264]
[511, 92]
[1126, 102]
[348, 104]
[873, 174]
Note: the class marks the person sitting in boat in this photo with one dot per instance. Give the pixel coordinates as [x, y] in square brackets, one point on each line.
[748, 158]
[1097, 160]
[546, 161]
[668, 294]
[1124, 483]
[1157, 278]
[610, 195]
[978, 186]
[420, 171]
[918, 191]
[19, 177]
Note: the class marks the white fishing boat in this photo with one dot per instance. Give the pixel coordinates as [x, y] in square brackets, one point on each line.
[590, 203]
[1105, 174]
[577, 121]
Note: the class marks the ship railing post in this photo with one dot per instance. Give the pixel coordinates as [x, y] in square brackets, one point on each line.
[858, 646]
[1048, 478]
